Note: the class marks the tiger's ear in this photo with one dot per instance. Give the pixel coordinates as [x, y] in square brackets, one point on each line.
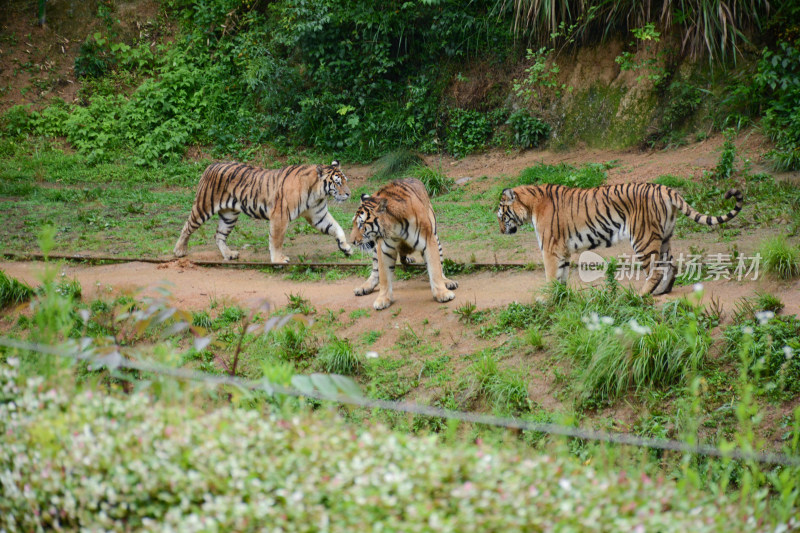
[382, 206]
[508, 196]
[335, 163]
[319, 171]
[365, 197]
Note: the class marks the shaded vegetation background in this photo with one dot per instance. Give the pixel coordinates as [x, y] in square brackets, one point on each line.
[358, 78]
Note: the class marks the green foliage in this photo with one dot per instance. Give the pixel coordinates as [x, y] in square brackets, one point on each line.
[507, 390]
[702, 26]
[435, 181]
[195, 441]
[13, 292]
[528, 131]
[338, 357]
[293, 342]
[94, 57]
[540, 83]
[771, 346]
[588, 176]
[467, 131]
[781, 258]
[725, 166]
[299, 304]
[778, 82]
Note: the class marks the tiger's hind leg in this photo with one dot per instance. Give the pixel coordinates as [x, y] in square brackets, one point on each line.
[439, 284]
[227, 220]
[556, 265]
[449, 283]
[650, 257]
[195, 221]
[667, 266]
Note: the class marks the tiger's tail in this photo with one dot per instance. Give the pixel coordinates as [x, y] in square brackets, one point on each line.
[679, 202]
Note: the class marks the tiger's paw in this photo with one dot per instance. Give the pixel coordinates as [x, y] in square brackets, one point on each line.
[450, 284]
[407, 260]
[381, 302]
[346, 249]
[279, 259]
[179, 251]
[231, 256]
[444, 296]
[364, 290]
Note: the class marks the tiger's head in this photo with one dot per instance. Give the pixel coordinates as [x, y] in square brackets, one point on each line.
[334, 182]
[367, 223]
[510, 213]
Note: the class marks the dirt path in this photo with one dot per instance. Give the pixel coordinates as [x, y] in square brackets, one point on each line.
[194, 287]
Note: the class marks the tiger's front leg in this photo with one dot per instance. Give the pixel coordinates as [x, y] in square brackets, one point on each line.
[321, 219]
[277, 231]
[372, 281]
[387, 257]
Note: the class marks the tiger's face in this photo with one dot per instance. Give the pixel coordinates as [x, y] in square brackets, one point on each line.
[366, 223]
[334, 181]
[509, 219]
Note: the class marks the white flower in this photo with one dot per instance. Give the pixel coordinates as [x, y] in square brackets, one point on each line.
[638, 328]
[372, 355]
[764, 316]
[607, 320]
[788, 352]
[698, 287]
[747, 330]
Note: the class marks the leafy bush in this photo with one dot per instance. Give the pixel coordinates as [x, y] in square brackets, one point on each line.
[781, 258]
[770, 346]
[528, 131]
[467, 131]
[435, 181]
[16, 122]
[778, 81]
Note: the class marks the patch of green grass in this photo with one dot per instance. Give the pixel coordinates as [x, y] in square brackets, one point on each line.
[202, 319]
[228, 316]
[395, 164]
[769, 302]
[13, 292]
[669, 180]
[371, 336]
[359, 313]
[781, 258]
[338, 357]
[506, 390]
[587, 176]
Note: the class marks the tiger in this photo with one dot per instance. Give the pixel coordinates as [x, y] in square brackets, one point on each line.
[278, 196]
[569, 219]
[395, 222]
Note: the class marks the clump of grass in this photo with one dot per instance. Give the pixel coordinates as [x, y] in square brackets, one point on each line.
[70, 288]
[396, 163]
[434, 180]
[202, 319]
[507, 391]
[534, 338]
[293, 342]
[299, 304]
[781, 258]
[769, 302]
[338, 357]
[230, 315]
[13, 292]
